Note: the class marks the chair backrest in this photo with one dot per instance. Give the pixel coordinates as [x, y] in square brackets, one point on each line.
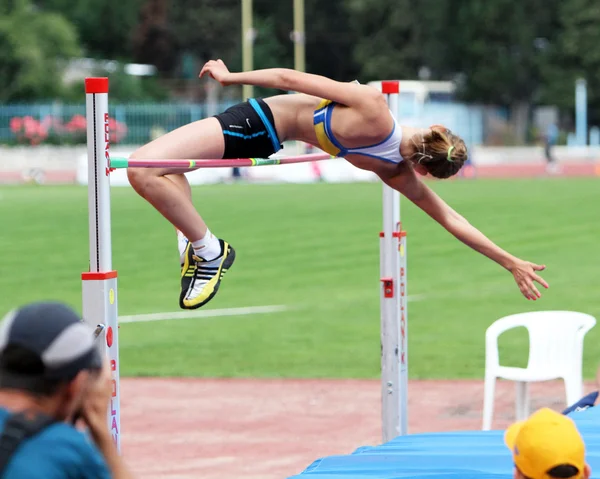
[555, 337]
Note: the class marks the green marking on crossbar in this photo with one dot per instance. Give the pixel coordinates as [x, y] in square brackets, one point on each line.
[119, 162]
[265, 161]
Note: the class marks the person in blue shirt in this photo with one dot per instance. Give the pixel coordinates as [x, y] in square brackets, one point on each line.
[51, 369]
[587, 401]
[550, 140]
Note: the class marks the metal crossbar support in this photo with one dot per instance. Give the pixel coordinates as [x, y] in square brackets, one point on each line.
[394, 354]
[100, 282]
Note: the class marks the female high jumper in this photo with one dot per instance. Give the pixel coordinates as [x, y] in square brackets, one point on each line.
[346, 120]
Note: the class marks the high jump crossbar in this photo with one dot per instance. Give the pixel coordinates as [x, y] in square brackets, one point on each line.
[100, 282]
[117, 163]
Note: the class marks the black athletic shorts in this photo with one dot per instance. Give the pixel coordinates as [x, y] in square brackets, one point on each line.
[249, 130]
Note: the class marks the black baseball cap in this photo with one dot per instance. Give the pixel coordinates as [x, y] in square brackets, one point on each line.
[57, 343]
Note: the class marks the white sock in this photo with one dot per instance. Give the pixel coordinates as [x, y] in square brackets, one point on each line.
[208, 247]
[182, 242]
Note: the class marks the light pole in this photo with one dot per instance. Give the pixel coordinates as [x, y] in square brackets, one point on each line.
[248, 35]
[298, 36]
[581, 123]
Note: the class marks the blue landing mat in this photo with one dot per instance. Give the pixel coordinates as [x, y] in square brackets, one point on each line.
[450, 455]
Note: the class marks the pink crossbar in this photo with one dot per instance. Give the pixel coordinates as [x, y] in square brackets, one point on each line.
[116, 163]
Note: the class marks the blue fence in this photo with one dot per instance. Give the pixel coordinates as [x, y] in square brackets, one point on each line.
[144, 121]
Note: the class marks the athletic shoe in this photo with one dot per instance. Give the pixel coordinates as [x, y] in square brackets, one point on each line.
[207, 277]
[188, 267]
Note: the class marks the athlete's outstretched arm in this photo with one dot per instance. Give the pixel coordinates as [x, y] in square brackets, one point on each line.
[421, 195]
[349, 94]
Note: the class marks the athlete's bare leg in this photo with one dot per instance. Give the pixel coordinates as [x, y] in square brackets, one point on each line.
[182, 183]
[201, 139]
[205, 258]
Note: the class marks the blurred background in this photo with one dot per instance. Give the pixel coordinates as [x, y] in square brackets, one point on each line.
[509, 69]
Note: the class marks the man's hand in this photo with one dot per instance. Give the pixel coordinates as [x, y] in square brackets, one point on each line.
[96, 402]
[525, 274]
[217, 70]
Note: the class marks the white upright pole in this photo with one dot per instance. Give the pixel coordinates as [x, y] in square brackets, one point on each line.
[100, 282]
[394, 359]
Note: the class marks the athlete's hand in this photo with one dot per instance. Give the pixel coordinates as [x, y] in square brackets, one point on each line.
[217, 70]
[525, 274]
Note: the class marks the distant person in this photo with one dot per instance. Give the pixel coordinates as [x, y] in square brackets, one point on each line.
[51, 376]
[547, 445]
[550, 140]
[236, 173]
[347, 120]
[586, 402]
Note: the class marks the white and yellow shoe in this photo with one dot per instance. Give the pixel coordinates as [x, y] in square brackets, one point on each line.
[202, 277]
[188, 266]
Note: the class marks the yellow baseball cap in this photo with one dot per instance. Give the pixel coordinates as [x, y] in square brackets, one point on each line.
[545, 440]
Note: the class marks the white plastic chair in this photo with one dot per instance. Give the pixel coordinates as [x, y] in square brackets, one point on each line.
[555, 352]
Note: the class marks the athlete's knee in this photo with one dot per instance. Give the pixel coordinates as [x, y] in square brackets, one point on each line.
[140, 179]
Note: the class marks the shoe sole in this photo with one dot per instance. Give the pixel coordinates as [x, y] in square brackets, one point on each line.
[225, 265]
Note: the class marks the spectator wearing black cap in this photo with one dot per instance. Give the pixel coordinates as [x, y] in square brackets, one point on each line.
[52, 375]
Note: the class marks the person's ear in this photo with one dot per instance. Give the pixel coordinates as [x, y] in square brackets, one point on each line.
[587, 471]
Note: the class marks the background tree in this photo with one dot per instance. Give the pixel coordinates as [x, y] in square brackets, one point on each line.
[34, 47]
[387, 38]
[153, 39]
[494, 48]
[104, 27]
[574, 53]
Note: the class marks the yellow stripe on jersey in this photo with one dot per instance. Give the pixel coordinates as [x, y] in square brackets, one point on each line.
[319, 123]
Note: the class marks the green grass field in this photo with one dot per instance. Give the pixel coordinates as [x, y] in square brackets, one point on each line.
[315, 249]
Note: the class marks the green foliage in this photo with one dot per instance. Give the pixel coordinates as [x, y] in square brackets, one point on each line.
[331, 38]
[33, 48]
[207, 28]
[104, 27]
[388, 45]
[515, 54]
[497, 48]
[575, 54]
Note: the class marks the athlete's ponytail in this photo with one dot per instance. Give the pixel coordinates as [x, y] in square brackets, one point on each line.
[441, 152]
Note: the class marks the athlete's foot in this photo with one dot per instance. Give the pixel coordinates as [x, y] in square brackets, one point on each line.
[206, 276]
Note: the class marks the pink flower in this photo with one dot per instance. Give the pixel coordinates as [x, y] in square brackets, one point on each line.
[118, 130]
[78, 122]
[16, 123]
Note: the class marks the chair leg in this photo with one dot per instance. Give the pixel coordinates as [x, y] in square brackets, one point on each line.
[522, 401]
[488, 401]
[573, 389]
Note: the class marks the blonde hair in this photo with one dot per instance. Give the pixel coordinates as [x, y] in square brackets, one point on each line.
[441, 152]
